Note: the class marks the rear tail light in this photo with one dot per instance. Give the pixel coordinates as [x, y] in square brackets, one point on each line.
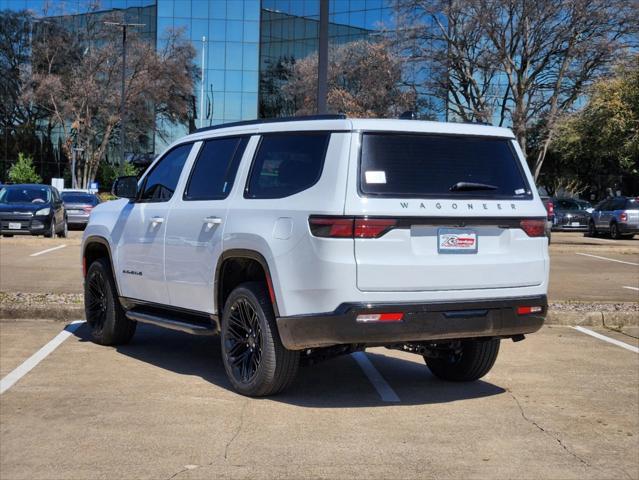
[349, 227]
[533, 227]
[551, 209]
[529, 310]
[380, 317]
[87, 209]
[623, 217]
[373, 227]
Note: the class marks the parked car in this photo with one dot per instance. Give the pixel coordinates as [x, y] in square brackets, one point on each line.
[571, 214]
[618, 216]
[78, 205]
[301, 239]
[32, 210]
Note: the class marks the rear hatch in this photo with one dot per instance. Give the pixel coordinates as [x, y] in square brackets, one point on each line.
[632, 211]
[444, 212]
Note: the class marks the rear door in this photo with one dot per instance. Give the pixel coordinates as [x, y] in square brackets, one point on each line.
[442, 212]
[196, 224]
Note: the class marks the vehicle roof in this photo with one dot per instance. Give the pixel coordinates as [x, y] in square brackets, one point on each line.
[352, 124]
[21, 185]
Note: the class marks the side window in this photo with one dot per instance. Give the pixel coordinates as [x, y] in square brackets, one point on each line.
[160, 183]
[286, 164]
[214, 171]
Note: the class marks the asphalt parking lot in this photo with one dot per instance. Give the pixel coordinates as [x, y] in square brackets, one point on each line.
[561, 404]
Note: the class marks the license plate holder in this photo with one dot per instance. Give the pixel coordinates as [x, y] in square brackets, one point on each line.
[15, 225]
[457, 241]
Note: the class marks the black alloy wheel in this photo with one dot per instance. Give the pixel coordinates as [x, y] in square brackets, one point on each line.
[243, 341]
[104, 314]
[256, 362]
[96, 301]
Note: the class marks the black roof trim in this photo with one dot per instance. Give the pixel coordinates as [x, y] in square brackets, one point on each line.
[337, 116]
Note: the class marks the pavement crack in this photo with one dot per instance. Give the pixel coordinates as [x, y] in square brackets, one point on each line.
[237, 430]
[542, 429]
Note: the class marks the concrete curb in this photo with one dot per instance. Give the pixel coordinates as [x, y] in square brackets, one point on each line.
[74, 312]
[63, 313]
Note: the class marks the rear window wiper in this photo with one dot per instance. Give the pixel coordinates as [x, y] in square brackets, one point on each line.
[467, 186]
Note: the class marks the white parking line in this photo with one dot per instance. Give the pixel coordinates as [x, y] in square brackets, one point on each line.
[631, 288]
[606, 258]
[47, 250]
[627, 346]
[385, 391]
[29, 364]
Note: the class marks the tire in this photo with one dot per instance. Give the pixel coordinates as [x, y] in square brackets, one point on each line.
[475, 361]
[7, 236]
[592, 230]
[256, 362]
[65, 230]
[614, 231]
[51, 232]
[105, 315]
[630, 236]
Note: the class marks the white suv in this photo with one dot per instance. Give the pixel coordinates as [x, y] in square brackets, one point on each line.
[304, 238]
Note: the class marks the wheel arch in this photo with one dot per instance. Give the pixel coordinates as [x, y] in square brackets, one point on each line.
[95, 247]
[248, 261]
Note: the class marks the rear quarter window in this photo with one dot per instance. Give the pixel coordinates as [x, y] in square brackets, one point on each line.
[423, 165]
[286, 164]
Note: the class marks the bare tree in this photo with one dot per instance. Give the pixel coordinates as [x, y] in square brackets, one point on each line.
[364, 80]
[539, 56]
[77, 80]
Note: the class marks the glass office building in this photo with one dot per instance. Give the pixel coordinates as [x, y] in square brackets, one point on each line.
[237, 41]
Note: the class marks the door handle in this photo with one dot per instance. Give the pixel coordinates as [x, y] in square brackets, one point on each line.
[210, 221]
[157, 220]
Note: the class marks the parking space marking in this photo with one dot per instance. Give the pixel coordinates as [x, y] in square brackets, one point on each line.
[29, 364]
[606, 258]
[631, 288]
[47, 250]
[627, 346]
[386, 393]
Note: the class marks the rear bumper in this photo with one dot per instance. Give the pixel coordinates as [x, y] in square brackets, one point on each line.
[77, 219]
[628, 228]
[421, 322]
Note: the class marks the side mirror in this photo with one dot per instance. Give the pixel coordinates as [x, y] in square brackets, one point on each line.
[125, 187]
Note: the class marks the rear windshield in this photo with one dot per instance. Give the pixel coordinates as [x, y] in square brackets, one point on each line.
[85, 198]
[442, 166]
[632, 204]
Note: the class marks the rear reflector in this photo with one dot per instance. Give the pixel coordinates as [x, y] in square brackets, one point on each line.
[533, 227]
[527, 310]
[331, 227]
[380, 317]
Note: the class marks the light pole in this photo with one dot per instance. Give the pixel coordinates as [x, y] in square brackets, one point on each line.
[322, 58]
[124, 26]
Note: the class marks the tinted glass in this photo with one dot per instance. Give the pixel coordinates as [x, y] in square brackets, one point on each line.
[430, 165]
[618, 204]
[160, 183]
[25, 195]
[84, 198]
[286, 164]
[214, 172]
[632, 204]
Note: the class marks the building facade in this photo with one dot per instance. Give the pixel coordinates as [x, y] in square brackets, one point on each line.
[238, 42]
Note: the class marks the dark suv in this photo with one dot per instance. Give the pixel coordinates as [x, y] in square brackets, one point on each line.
[32, 210]
[617, 216]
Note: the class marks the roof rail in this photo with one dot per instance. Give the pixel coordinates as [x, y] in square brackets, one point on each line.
[332, 116]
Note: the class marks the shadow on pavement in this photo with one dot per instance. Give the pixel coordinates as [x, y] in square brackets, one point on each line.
[336, 383]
